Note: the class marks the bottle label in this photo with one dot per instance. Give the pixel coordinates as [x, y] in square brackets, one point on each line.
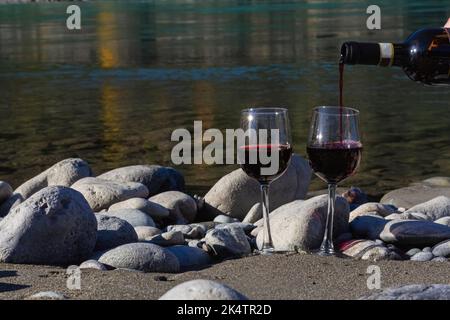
[386, 54]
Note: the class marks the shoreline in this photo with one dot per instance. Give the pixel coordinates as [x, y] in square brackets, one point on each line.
[290, 276]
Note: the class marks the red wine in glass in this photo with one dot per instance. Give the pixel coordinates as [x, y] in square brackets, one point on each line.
[257, 155]
[335, 161]
[254, 169]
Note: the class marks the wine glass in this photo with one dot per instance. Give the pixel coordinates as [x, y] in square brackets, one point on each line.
[334, 150]
[264, 154]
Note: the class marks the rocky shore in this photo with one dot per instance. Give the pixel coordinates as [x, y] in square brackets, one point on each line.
[140, 218]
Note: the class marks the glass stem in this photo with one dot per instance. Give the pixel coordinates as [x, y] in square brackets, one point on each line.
[327, 247]
[267, 246]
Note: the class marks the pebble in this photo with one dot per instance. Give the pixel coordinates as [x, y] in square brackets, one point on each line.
[228, 242]
[202, 290]
[113, 232]
[47, 295]
[412, 292]
[154, 210]
[101, 194]
[145, 232]
[182, 207]
[190, 258]
[156, 178]
[422, 256]
[93, 264]
[134, 217]
[169, 238]
[146, 257]
[225, 219]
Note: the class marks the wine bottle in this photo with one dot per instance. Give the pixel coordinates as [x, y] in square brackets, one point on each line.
[424, 56]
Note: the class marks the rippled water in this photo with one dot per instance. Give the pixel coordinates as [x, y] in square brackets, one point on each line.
[113, 92]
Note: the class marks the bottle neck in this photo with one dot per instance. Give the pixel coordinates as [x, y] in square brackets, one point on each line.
[380, 54]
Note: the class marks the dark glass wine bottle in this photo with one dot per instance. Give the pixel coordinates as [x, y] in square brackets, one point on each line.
[424, 56]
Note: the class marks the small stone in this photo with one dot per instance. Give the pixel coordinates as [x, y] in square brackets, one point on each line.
[396, 216]
[190, 258]
[182, 207]
[6, 191]
[228, 242]
[435, 208]
[439, 259]
[193, 231]
[414, 233]
[413, 251]
[101, 194]
[113, 232]
[169, 238]
[202, 290]
[442, 249]
[194, 243]
[422, 256]
[444, 221]
[376, 208]
[412, 292]
[93, 264]
[141, 256]
[48, 295]
[134, 217]
[156, 178]
[355, 196]
[426, 249]
[154, 210]
[225, 219]
[254, 214]
[145, 232]
[365, 250]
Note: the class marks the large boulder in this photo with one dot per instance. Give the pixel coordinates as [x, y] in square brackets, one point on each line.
[300, 225]
[202, 290]
[113, 232]
[141, 256]
[236, 193]
[413, 195]
[156, 178]
[182, 207]
[55, 226]
[63, 173]
[101, 194]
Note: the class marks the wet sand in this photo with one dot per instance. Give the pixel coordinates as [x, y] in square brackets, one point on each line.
[295, 276]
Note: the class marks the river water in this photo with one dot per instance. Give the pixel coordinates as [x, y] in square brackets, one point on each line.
[113, 92]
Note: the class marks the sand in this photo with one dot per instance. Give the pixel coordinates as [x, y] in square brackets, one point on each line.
[294, 276]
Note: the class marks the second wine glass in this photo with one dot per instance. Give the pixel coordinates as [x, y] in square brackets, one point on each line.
[265, 154]
[334, 150]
